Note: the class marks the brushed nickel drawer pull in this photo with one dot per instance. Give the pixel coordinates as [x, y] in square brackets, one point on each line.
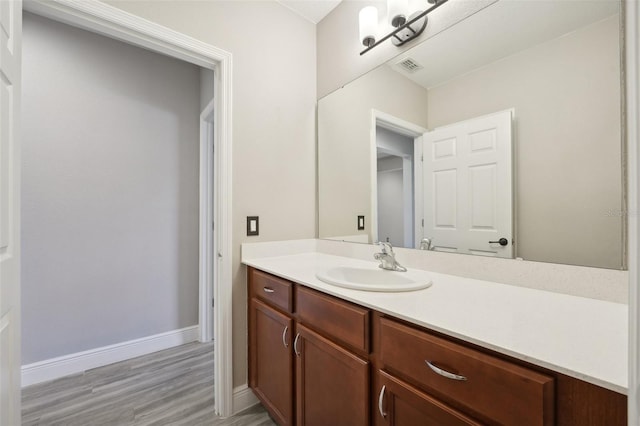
[284, 336]
[445, 373]
[381, 401]
[268, 290]
[295, 344]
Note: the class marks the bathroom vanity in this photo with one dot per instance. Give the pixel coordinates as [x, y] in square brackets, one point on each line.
[322, 355]
[406, 152]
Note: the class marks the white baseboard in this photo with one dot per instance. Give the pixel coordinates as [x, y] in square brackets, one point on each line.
[55, 368]
[243, 398]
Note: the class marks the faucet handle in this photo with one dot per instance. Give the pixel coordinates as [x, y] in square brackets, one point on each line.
[426, 244]
[386, 246]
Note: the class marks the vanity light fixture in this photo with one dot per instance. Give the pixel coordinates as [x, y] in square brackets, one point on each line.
[397, 10]
[368, 18]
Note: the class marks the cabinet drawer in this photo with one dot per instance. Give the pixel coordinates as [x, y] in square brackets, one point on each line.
[271, 289]
[336, 318]
[496, 390]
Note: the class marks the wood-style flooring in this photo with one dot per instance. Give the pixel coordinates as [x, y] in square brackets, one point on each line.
[170, 387]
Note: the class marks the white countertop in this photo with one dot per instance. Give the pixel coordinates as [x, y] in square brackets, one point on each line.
[580, 337]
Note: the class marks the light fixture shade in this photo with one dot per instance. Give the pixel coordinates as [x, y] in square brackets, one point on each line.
[368, 25]
[397, 12]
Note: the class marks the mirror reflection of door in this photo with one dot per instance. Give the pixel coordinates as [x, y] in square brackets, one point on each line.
[468, 206]
[396, 205]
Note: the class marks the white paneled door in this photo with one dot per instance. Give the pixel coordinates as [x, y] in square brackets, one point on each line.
[10, 36]
[468, 186]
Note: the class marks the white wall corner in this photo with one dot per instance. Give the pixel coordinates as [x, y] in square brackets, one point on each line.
[79, 362]
[243, 398]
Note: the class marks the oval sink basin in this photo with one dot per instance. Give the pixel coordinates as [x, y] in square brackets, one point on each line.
[374, 279]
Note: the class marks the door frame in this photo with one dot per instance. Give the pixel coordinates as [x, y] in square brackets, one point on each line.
[207, 234]
[215, 248]
[403, 127]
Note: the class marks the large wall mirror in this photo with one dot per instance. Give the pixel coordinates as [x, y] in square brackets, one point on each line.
[500, 136]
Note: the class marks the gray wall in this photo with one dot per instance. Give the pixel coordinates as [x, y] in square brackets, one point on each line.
[207, 89]
[274, 101]
[110, 191]
[390, 201]
[393, 216]
[386, 139]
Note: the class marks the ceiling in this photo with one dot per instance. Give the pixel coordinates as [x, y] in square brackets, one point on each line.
[496, 32]
[312, 10]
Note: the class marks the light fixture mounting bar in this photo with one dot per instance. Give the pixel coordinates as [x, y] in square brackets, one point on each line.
[405, 26]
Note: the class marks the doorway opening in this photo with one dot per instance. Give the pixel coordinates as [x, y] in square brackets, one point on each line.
[214, 173]
[396, 203]
[396, 180]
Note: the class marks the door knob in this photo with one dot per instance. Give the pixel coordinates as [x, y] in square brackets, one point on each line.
[501, 241]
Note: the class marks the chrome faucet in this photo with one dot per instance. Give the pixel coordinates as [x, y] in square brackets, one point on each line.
[387, 258]
[426, 244]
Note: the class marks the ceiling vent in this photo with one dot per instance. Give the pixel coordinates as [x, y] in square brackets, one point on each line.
[409, 65]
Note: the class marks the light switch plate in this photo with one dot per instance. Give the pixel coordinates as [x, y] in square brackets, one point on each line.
[360, 223]
[253, 225]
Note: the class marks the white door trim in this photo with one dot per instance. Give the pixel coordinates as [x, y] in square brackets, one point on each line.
[397, 125]
[418, 214]
[10, 181]
[101, 18]
[632, 83]
[208, 240]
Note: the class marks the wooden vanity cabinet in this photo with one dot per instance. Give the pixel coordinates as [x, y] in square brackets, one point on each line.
[317, 360]
[324, 342]
[272, 290]
[332, 383]
[271, 372]
[341, 321]
[271, 330]
[491, 388]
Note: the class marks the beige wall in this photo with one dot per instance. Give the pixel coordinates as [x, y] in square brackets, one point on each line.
[568, 149]
[339, 60]
[274, 95]
[344, 127]
[567, 141]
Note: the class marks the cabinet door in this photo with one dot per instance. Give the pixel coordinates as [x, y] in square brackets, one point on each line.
[271, 360]
[332, 383]
[399, 404]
